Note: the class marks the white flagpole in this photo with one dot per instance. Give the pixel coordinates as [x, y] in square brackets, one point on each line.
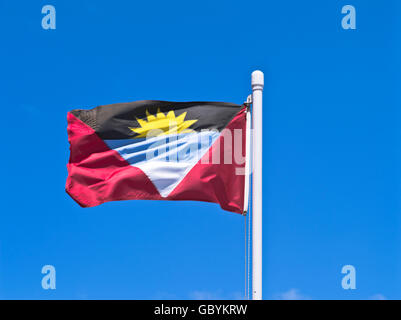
[247, 155]
[257, 102]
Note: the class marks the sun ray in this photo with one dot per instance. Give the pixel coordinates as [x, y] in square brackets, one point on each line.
[150, 117]
[171, 114]
[160, 115]
[162, 124]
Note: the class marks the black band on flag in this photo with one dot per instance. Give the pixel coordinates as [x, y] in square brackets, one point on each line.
[119, 121]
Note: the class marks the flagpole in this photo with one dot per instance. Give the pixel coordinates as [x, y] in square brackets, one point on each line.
[248, 155]
[257, 101]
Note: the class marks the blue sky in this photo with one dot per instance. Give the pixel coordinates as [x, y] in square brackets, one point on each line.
[332, 167]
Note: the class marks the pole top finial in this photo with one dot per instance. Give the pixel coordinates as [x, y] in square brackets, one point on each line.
[258, 79]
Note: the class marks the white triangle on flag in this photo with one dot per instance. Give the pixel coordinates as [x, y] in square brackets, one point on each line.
[165, 159]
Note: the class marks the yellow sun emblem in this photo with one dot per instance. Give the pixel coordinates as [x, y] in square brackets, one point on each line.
[162, 124]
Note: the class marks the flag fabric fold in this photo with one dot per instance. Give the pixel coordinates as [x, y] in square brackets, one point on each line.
[158, 150]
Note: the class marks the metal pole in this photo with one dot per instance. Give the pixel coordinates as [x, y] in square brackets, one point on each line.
[247, 155]
[257, 114]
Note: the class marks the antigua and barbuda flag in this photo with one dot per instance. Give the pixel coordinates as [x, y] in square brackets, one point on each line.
[158, 150]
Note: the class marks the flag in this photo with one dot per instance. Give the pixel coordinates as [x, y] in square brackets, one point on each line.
[158, 150]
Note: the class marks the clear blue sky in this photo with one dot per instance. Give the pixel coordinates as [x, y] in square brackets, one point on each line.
[332, 167]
